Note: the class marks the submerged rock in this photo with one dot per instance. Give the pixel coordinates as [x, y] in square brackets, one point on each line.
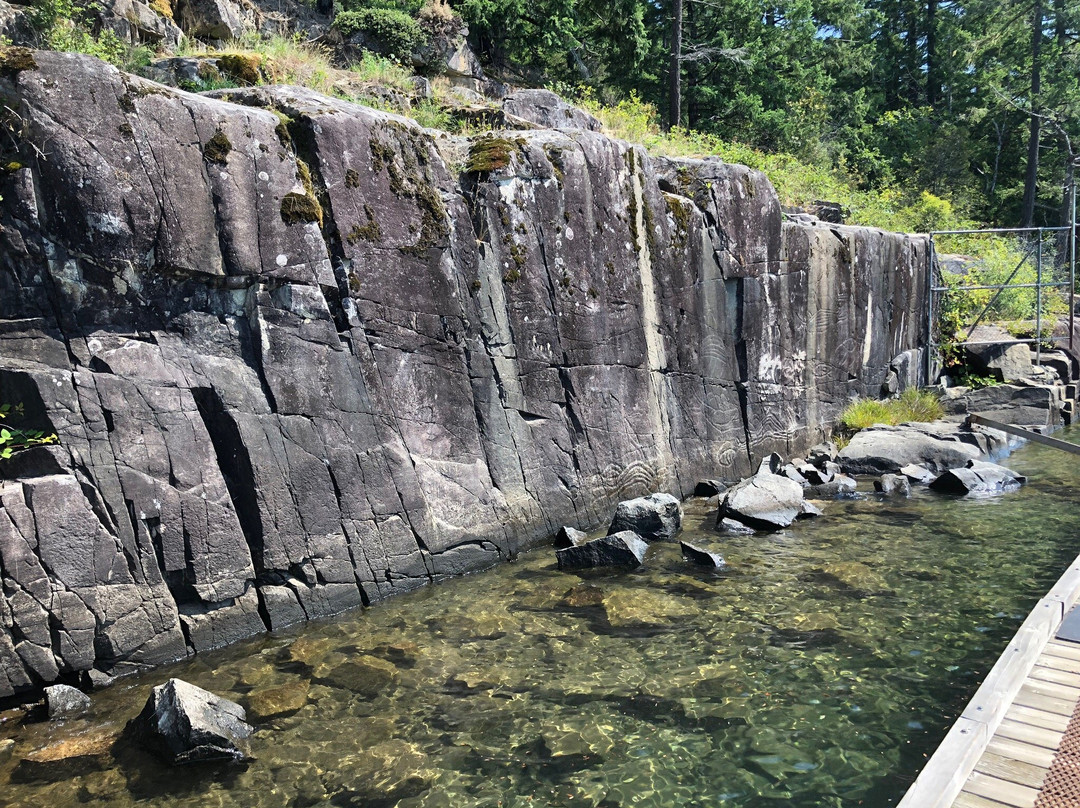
[856, 576]
[766, 501]
[569, 537]
[704, 558]
[583, 595]
[362, 674]
[186, 724]
[893, 484]
[978, 478]
[622, 549]
[276, 702]
[657, 517]
[386, 772]
[72, 756]
[63, 701]
[629, 607]
[7, 746]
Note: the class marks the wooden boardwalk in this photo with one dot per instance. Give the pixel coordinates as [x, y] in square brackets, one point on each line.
[1001, 748]
[1011, 771]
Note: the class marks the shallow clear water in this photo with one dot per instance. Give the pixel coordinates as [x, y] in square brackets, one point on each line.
[819, 669]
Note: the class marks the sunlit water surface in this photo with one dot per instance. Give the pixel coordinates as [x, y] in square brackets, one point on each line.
[819, 669]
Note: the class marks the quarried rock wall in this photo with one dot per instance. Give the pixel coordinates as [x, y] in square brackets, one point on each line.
[302, 355]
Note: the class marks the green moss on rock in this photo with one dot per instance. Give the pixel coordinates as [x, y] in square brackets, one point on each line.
[217, 148]
[14, 60]
[242, 67]
[302, 208]
[492, 153]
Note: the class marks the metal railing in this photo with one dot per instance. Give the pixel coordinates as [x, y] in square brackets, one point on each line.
[1059, 275]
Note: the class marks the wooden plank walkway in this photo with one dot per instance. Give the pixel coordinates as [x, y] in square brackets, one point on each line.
[1011, 771]
[1000, 749]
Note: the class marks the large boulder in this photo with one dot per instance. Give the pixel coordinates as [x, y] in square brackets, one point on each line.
[978, 478]
[623, 549]
[186, 724]
[217, 19]
[988, 350]
[548, 111]
[657, 517]
[62, 701]
[766, 501]
[1026, 404]
[886, 449]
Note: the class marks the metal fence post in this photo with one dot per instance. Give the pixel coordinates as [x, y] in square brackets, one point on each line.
[1038, 299]
[1072, 263]
[929, 309]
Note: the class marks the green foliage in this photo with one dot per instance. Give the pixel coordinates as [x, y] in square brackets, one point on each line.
[428, 113]
[911, 405]
[64, 25]
[14, 440]
[397, 32]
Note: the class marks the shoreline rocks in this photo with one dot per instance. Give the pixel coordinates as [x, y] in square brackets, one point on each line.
[978, 478]
[622, 549]
[657, 517]
[186, 724]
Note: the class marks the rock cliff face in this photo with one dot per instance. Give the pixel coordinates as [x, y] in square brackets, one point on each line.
[302, 355]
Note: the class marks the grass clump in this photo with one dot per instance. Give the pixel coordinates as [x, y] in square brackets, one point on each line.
[911, 405]
[217, 148]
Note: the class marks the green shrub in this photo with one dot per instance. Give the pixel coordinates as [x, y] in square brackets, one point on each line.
[911, 405]
[62, 25]
[397, 32]
[15, 440]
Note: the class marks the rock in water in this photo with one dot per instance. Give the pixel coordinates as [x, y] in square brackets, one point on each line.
[657, 517]
[704, 558]
[840, 485]
[623, 549]
[729, 525]
[569, 537]
[893, 484]
[63, 701]
[767, 501]
[886, 449]
[917, 474]
[186, 724]
[978, 478]
[709, 488]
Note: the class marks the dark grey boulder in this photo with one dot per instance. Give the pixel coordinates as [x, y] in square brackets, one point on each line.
[842, 485]
[793, 474]
[996, 357]
[978, 478]
[766, 501]
[62, 701]
[186, 724]
[821, 454]
[623, 549]
[771, 464]
[893, 484]
[547, 110]
[886, 449]
[918, 474]
[696, 555]
[709, 488]
[657, 517]
[815, 476]
[569, 537]
[729, 525]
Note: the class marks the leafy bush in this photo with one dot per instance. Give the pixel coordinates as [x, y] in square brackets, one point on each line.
[397, 32]
[64, 26]
[911, 405]
[15, 440]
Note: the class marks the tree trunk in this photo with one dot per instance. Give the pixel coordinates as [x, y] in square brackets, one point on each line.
[933, 80]
[675, 99]
[1031, 175]
[693, 76]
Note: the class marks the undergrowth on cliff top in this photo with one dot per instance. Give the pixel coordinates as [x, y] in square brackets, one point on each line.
[911, 405]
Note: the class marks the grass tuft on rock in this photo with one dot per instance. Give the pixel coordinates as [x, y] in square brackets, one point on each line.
[911, 405]
[217, 148]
